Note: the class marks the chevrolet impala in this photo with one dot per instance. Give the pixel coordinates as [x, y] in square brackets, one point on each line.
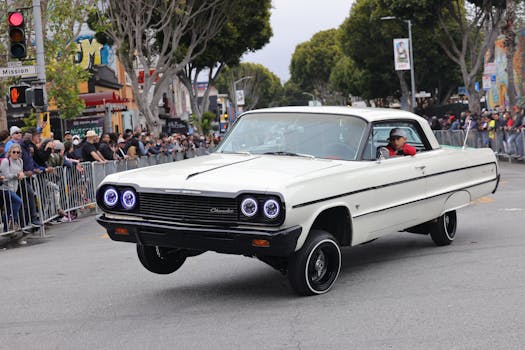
[291, 186]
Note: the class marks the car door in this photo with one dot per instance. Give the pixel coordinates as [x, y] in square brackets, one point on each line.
[395, 188]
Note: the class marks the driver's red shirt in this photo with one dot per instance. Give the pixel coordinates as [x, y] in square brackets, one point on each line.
[407, 150]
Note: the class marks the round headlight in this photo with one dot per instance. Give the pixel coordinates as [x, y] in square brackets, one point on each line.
[110, 197]
[249, 207]
[128, 199]
[271, 208]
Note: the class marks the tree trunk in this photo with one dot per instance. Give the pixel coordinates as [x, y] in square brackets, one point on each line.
[470, 51]
[150, 112]
[511, 85]
[510, 49]
[444, 98]
[473, 100]
[192, 91]
[153, 120]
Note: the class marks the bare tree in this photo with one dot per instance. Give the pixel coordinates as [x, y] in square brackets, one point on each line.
[477, 30]
[149, 34]
[189, 77]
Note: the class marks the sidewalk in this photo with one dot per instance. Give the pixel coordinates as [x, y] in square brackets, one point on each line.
[502, 157]
[53, 230]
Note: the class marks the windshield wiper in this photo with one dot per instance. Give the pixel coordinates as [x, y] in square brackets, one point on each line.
[238, 152]
[284, 153]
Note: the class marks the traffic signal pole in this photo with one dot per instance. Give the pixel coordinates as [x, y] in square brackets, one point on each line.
[40, 57]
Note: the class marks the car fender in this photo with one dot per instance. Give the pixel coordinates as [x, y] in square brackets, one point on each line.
[307, 225]
[456, 201]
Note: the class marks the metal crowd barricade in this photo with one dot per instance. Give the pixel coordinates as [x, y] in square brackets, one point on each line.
[503, 142]
[190, 153]
[179, 156]
[11, 219]
[143, 162]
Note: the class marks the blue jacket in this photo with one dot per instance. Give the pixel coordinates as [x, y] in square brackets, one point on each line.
[29, 162]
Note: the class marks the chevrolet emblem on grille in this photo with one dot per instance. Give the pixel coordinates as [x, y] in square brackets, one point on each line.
[221, 211]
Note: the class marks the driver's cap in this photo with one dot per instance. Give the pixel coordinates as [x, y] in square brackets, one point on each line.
[397, 132]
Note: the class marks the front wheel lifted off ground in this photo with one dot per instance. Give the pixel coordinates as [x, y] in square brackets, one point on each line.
[443, 229]
[160, 260]
[315, 267]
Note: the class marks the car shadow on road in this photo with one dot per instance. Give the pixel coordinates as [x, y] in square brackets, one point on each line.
[387, 249]
[263, 282]
[268, 284]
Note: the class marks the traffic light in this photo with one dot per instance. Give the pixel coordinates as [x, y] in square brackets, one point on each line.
[38, 97]
[17, 95]
[17, 36]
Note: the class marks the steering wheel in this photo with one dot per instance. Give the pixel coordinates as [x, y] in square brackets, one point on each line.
[338, 150]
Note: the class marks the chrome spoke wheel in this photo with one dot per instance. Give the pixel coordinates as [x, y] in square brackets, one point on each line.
[159, 259]
[449, 222]
[314, 268]
[319, 268]
[443, 229]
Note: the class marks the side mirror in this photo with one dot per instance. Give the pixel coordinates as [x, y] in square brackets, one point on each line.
[382, 153]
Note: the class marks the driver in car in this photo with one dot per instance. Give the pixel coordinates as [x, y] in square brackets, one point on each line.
[397, 145]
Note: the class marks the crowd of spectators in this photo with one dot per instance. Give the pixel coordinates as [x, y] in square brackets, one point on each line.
[24, 153]
[498, 128]
[131, 144]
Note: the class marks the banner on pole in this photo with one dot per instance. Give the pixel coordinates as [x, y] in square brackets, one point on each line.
[401, 54]
[240, 97]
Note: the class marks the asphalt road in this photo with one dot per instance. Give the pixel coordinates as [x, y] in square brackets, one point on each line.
[80, 290]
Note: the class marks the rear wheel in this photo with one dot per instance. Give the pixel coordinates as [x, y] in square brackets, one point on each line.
[315, 267]
[443, 230]
[160, 260]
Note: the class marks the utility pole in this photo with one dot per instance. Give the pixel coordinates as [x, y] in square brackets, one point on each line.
[412, 79]
[411, 49]
[40, 58]
[314, 99]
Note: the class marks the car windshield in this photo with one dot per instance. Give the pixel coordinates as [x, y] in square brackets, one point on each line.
[296, 134]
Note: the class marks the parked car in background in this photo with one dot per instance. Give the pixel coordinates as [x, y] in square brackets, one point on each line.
[291, 186]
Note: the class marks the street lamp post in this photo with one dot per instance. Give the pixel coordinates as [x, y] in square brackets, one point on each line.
[410, 48]
[235, 92]
[313, 97]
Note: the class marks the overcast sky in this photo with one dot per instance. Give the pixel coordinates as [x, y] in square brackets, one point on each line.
[294, 22]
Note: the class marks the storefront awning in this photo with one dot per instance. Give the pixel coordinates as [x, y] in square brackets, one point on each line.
[101, 98]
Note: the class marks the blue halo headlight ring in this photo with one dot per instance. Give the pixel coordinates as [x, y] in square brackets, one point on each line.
[110, 197]
[128, 199]
[249, 207]
[271, 208]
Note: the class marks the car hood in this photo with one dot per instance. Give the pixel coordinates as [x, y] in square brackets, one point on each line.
[229, 173]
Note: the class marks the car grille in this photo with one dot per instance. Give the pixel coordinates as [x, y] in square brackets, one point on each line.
[188, 208]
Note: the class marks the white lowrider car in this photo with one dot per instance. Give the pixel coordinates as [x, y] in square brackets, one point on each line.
[293, 185]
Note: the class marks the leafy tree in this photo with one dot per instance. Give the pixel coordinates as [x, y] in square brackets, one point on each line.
[367, 41]
[62, 24]
[160, 37]
[262, 89]
[313, 61]
[247, 29]
[348, 79]
[203, 124]
[464, 30]
[293, 95]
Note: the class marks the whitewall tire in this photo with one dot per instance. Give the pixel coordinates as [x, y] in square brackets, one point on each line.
[315, 267]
